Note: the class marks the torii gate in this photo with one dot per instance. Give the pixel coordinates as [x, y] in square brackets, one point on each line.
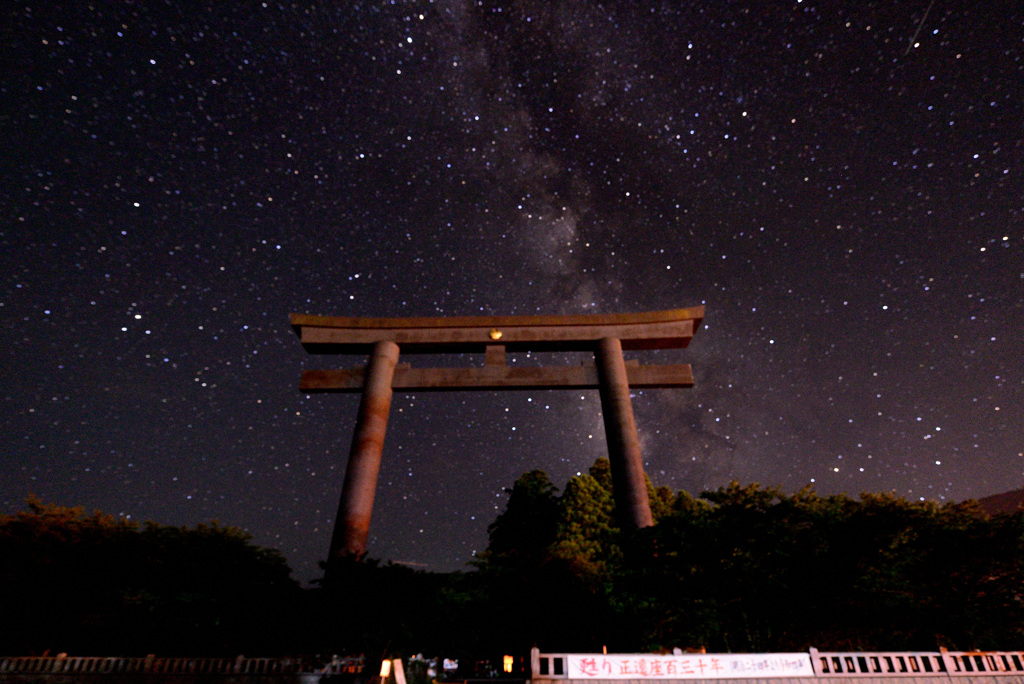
[383, 338]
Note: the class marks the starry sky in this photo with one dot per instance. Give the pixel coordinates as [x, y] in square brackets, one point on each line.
[840, 183]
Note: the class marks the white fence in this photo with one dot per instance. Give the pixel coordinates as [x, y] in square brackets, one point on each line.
[578, 667]
[952, 663]
[637, 668]
[73, 665]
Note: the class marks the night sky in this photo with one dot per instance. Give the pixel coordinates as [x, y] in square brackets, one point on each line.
[841, 184]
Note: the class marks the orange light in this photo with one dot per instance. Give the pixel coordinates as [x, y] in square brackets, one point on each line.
[385, 669]
[506, 663]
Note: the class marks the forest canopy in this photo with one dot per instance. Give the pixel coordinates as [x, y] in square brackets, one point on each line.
[91, 583]
[752, 569]
[737, 569]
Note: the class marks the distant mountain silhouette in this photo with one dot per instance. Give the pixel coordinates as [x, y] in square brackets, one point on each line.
[1007, 502]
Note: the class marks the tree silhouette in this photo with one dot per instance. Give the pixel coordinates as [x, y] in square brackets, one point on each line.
[92, 583]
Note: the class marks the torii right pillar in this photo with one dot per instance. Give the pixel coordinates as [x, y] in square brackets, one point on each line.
[628, 481]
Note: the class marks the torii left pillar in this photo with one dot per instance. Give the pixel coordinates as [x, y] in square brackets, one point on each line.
[357, 493]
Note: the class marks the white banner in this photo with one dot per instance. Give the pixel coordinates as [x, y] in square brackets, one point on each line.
[689, 666]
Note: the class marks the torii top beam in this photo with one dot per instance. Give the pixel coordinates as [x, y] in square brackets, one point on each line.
[670, 329]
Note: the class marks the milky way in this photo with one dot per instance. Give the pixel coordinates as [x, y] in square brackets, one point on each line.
[840, 184]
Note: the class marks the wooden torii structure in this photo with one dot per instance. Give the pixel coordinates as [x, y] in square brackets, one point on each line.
[382, 339]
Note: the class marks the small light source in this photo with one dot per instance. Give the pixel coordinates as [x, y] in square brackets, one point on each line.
[495, 334]
[385, 669]
[506, 661]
